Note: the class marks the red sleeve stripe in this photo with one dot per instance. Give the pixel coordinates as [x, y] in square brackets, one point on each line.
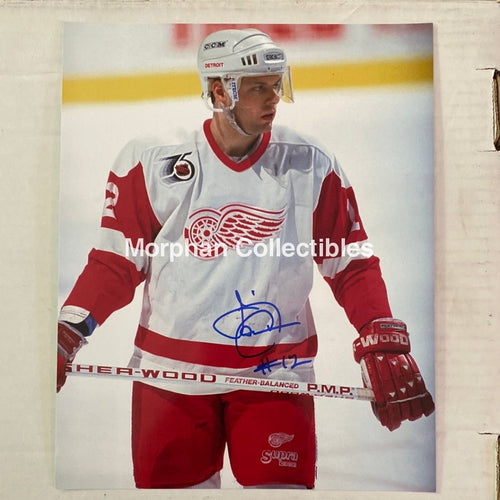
[336, 218]
[116, 242]
[331, 266]
[219, 355]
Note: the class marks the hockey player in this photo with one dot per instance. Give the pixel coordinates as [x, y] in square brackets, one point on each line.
[253, 206]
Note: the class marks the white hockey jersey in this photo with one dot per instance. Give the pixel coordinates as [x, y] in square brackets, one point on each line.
[226, 249]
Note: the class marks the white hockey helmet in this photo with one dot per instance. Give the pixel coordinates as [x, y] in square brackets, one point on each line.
[235, 53]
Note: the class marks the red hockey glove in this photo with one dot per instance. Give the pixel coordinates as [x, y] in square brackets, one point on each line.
[69, 342]
[382, 350]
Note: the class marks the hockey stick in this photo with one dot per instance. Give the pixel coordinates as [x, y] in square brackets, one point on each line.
[235, 382]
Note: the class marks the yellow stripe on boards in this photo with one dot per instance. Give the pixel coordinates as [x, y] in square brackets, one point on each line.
[123, 88]
[140, 87]
[366, 74]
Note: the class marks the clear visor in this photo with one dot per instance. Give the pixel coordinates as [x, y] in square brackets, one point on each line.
[285, 90]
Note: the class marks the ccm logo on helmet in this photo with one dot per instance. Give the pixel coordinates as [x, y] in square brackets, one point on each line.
[274, 56]
[214, 45]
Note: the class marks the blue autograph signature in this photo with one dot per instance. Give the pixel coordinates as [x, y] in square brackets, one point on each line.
[248, 314]
[287, 362]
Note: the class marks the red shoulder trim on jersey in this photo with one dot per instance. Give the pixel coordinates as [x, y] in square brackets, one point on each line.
[128, 208]
[205, 353]
[233, 165]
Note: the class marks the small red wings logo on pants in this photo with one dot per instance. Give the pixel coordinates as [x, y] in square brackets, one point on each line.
[211, 232]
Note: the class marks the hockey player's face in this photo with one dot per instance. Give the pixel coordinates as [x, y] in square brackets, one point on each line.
[258, 99]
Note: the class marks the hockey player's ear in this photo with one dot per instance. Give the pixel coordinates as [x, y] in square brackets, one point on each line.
[220, 97]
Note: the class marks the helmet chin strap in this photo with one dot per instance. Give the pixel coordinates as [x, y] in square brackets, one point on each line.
[229, 115]
[227, 111]
[231, 87]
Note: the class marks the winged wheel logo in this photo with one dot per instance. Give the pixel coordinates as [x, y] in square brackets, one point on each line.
[210, 231]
